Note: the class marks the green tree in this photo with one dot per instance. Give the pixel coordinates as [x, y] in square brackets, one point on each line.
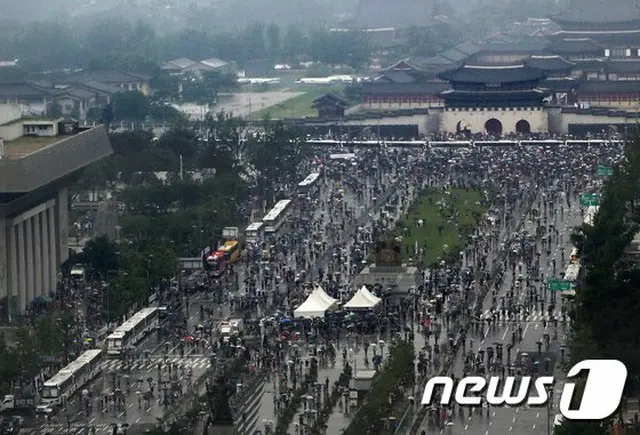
[101, 255]
[274, 41]
[131, 106]
[223, 143]
[275, 155]
[181, 142]
[57, 335]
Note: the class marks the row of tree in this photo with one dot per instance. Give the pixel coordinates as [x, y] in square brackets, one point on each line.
[115, 43]
[605, 321]
[214, 174]
[53, 340]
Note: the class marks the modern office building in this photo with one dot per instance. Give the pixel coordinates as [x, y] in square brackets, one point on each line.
[39, 158]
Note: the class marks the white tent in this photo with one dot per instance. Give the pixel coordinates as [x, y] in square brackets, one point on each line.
[320, 293]
[363, 299]
[315, 305]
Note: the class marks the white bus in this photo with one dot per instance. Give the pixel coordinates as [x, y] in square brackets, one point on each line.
[253, 233]
[309, 186]
[59, 389]
[276, 216]
[133, 330]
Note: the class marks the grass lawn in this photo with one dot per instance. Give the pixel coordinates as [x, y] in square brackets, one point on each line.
[448, 218]
[296, 107]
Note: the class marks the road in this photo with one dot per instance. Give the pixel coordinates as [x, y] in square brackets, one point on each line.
[136, 410]
[520, 420]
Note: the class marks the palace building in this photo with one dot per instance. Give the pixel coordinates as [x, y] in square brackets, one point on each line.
[590, 61]
[494, 99]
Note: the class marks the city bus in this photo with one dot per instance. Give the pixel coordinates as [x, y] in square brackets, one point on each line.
[253, 233]
[132, 331]
[309, 186]
[226, 254]
[277, 216]
[64, 384]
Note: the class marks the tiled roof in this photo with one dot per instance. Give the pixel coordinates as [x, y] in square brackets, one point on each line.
[549, 63]
[492, 74]
[622, 66]
[468, 48]
[454, 55]
[104, 76]
[329, 98]
[559, 85]
[214, 62]
[181, 63]
[431, 88]
[530, 45]
[100, 87]
[609, 86]
[399, 77]
[590, 65]
[533, 94]
[439, 60]
[24, 90]
[581, 45]
[76, 92]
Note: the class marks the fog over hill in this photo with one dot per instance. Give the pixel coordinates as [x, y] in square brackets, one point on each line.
[223, 15]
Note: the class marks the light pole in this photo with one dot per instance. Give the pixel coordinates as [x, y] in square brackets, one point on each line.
[549, 405]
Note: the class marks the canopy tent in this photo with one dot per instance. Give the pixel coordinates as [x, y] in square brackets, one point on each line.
[319, 292]
[315, 305]
[363, 299]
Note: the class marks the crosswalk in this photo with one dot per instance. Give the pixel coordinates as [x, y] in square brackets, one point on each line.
[73, 429]
[534, 316]
[195, 362]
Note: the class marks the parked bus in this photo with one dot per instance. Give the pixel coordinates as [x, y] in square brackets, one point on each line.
[277, 216]
[309, 186]
[61, 387]
[254, 232]
[133, 330]
[226, 254]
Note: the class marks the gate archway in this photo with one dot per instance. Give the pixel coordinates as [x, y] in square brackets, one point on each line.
[523, 127]
[493, 126]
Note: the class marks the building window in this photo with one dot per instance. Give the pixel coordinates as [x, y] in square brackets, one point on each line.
[628, 52]
[607, 52]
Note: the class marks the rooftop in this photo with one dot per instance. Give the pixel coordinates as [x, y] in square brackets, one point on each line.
[109, 76]
[37, 162]
[549, 63]
[576, 45]
[25, 145]
[492, 74]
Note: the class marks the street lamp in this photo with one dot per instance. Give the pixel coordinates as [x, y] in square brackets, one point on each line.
[549, 405]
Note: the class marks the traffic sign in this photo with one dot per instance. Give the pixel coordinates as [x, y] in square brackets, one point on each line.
[587, 199]
[556, 285]
[604, 171]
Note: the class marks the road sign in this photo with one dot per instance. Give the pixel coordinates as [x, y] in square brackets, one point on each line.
[587, 199]
[604, 171]
[556, 285]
